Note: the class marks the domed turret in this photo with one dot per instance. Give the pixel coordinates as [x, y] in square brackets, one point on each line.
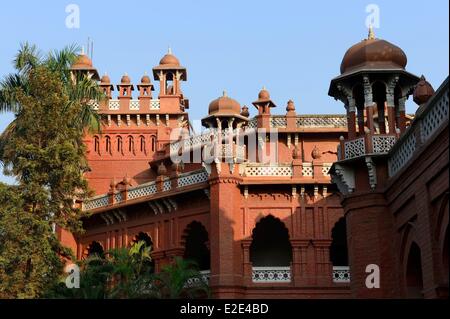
[83, 64]
[373, 53]
[224, 105]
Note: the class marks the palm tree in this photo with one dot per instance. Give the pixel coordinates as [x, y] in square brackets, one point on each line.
[181, 279]
[81, 89]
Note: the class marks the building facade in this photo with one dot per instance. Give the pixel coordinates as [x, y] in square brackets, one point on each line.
[252, 201]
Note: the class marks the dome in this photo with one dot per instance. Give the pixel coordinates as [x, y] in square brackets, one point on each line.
[245, 112]
[145, 79]
[169, 59]
[224, 105]
[423, 91]
[373, 53]
[125, 79]
[82, 61]
[263, 94]
[105, 79]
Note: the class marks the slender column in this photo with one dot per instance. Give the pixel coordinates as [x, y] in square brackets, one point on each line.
[368, 103]
[401, 118]
[390, 89]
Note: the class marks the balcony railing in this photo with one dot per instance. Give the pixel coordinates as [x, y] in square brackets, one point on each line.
[134, 105]
[341, 274]
[143, 190]
[252, 170]
[204, 277]
[271, 274]
[365, 145]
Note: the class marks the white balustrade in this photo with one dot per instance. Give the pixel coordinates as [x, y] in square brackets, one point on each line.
[134, 105]
[341, 274]
[271, 274]
[114, 104]
[307, 170]
[196, 281]
[268, 170]
[96, 202]
[192, 178]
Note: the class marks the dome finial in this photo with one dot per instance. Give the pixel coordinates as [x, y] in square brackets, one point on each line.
[224, 93]
[371, 33]
[82, 50]
[264, 88]
[169, 50]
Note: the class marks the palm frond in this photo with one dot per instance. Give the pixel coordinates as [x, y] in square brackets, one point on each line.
[9, 87]
[27, 58]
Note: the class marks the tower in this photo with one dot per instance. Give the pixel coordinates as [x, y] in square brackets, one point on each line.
[83, 65]
[373, 86]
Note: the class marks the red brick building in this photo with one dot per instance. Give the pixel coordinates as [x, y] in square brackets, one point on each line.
[251, 199]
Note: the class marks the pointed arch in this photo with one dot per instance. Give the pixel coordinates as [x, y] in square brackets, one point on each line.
[196, 242]
[95, 249]
[142, 144]
[414, 278]
[97, 144]
[119, 143]
[270, 243]
[108, 144]
[338, 248]
[130, 142]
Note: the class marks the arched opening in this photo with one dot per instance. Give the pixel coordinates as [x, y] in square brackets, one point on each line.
[153, 143]
[196, 245]
[270, 245]
[445, 256]
[119, 144]
[358, 95]
[414, 281]
[379, 97]
[95, 249]
[338, 248]
[108, 144]
[130, 144]
[96, 145]
[148, 243]
[142, 140]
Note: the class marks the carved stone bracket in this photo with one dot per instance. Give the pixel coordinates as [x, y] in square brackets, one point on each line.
[343, 177]
[371, 168]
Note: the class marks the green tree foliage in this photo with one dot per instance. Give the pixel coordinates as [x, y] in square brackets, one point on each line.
[43, 148]
[29, 251]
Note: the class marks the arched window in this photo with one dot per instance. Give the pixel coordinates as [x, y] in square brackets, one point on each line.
[142, 140]
[153, 143]
[95, 249]
[108, 145]
[96, 145]
[119, 144]
[270, 245]
[338, 248]
[148, 243]
[130, 144]
[196, 245]
[414, 281]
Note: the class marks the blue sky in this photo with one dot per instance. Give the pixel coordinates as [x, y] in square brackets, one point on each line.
[293, 48]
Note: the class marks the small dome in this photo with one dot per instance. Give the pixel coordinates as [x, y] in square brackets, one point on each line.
[373, 53]
[245, 112]
[224, 105]
[145, 79]
[105, 79]
[290, 106]
[263, 94]
[423, 91]
[125, 79]
[169, 59]
[82, 61]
